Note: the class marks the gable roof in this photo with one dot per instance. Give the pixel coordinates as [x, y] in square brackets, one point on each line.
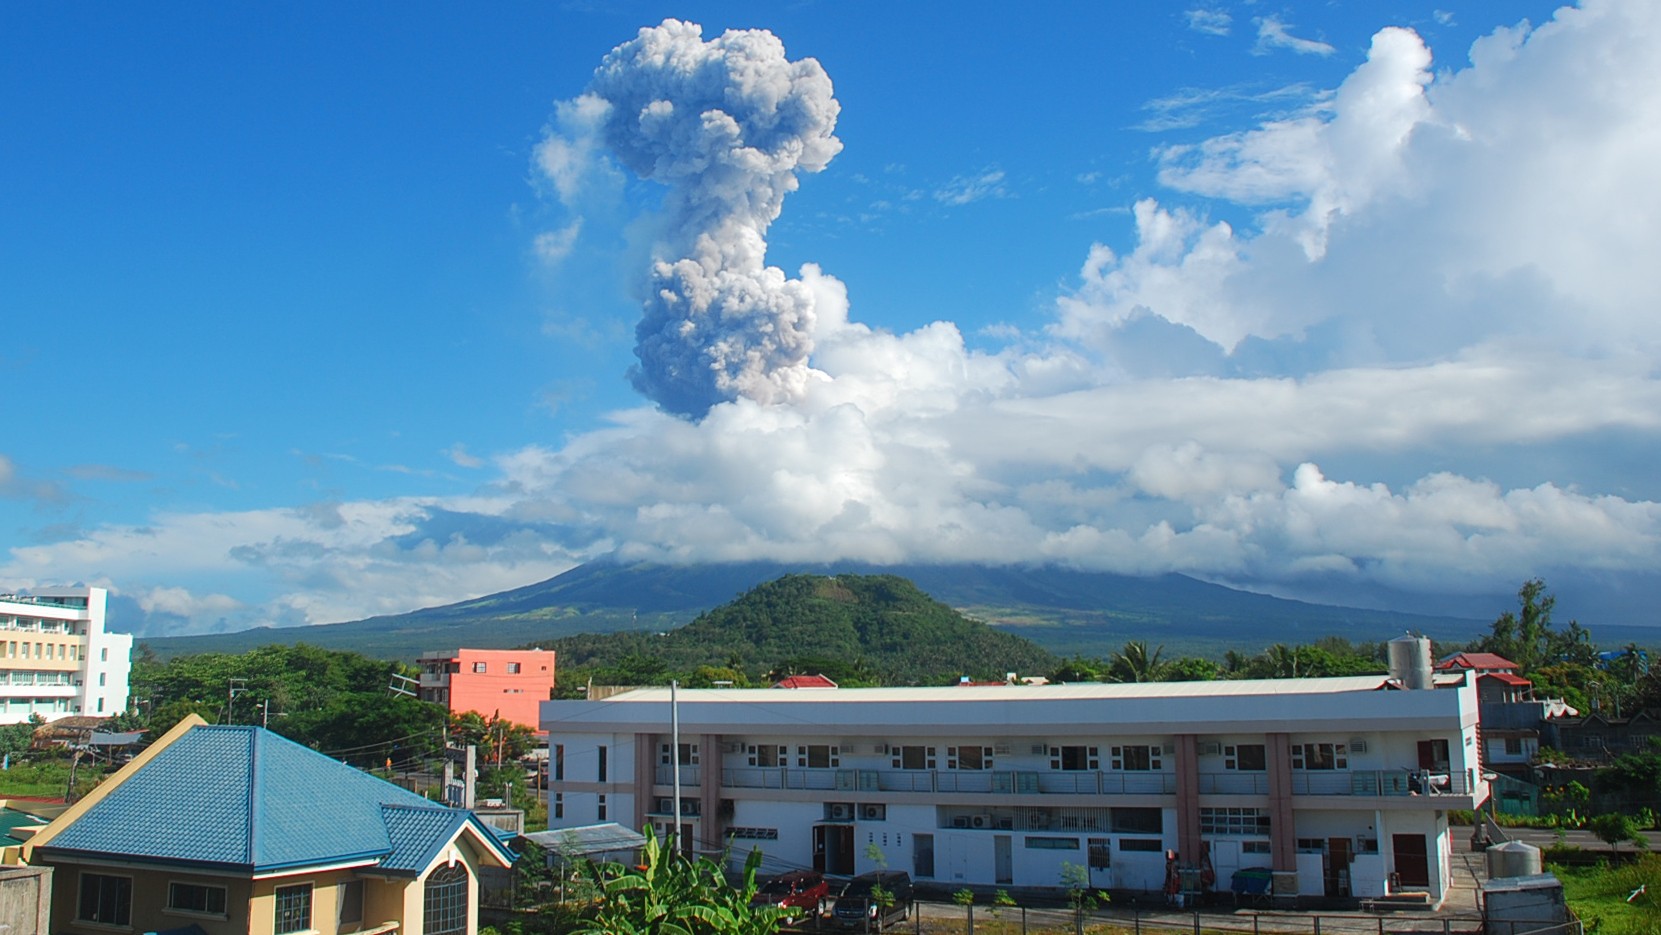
[1476, 661]
[1506, 678]
[805, 681]
[247, 800]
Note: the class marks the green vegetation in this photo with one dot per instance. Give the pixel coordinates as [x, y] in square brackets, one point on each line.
[673, 895]
[1607, 896]
[856, 629]
[1135, 662]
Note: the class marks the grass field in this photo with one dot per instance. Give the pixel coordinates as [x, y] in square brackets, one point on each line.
[1606, 896]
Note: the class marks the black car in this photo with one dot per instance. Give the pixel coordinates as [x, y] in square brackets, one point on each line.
[857, 906]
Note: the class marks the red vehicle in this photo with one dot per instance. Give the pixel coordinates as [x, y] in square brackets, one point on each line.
[803, 890]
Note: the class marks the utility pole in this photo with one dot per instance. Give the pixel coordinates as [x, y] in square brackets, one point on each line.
[237, 687]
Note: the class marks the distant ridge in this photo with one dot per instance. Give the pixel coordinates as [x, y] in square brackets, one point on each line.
[1064, 610]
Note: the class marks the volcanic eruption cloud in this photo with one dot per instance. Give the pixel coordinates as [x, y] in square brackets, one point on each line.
[727, 125]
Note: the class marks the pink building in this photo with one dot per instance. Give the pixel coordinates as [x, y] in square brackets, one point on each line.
[510, 683]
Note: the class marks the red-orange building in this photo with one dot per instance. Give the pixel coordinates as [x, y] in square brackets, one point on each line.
[510, 683]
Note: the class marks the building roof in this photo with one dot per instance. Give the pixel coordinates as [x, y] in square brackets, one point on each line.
[247, 800]
[588, 840]
[805, 681]
[1484, 661]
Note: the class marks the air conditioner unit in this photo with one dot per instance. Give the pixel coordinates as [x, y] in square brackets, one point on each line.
[960, 821]
[1001, 749]
[1039, 749]
[871, 813]
[666, 806]
[841, 811]
[980, 821]
[1211, 749]
[1358, 745]
[732, 747]
[1006, 823]
[1168, 749]
[880, 749]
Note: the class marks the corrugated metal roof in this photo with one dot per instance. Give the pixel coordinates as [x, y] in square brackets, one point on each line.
[244, 798]
[1219, 688]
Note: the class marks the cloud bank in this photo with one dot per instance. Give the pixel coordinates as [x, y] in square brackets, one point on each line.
[1399, 368]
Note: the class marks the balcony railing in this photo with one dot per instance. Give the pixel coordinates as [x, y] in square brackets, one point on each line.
[1078, 782]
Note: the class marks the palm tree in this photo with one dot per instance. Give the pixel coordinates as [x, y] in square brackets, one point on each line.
[1134, 663]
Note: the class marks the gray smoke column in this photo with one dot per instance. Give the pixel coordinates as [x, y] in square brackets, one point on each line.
[726, 125]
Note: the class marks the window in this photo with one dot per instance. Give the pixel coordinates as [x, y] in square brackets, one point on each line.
[968, 757]
[600, 811]
[1138, 821]
[1074, 758]
[1320, 756]
[766, 755]
[1254, 847]
[293, 908]
[1037, 843]
[559, 805]
[1135, 758]
[754, 834]
[912, 757]
[106, 899]
[351, 902]
[600, 754]
[1246, 757]
[688, 754]
[479, 667]
[196, 897]
[513, 668]
[1237, 821]
[444, 901]
[104, 655]
[1141, 844]
[818, 756]
[1513, 746]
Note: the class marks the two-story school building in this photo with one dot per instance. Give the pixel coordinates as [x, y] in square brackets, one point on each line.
[1341, 785]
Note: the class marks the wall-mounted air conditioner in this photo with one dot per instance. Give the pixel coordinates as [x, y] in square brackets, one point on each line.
[869, 812]
[1358, 745]
[840, 811]
[1039, 749]
[1168, 748]
[1211, 749]
[980, 821]
[666, 806]
[732, 746]
[960, 821]
[1001, 749]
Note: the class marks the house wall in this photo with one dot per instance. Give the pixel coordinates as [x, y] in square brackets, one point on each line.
[1020, 819]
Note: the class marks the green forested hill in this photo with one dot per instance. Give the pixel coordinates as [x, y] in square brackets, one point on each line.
[871, 628]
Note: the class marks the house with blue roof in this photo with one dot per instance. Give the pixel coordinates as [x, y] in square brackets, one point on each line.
[219, 830]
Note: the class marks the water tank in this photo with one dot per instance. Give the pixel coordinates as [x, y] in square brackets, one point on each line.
[1410, 661]
[1513, 859]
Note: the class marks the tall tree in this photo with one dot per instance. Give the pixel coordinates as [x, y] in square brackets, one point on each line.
[1134, 663]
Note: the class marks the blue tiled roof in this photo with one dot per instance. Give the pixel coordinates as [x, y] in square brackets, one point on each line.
[244, 798]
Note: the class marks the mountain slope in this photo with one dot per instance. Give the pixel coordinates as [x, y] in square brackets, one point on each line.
[1064, 610]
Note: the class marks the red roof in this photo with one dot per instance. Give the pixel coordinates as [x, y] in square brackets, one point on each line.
[1506, 678]
[1476, 661]
[805, 681]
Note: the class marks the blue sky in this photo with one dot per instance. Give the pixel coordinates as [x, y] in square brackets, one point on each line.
[325, 312]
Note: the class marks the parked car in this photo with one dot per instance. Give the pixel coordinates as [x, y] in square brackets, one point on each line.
[802, 890]
[857, 907]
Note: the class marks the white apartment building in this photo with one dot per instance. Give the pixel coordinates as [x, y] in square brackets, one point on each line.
[1341, 785]
[56, 658]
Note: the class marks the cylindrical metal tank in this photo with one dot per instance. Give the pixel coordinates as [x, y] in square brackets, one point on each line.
[1513, 859]
[1410, 661]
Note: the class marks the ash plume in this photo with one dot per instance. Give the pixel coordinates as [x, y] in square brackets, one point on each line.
[726, 124]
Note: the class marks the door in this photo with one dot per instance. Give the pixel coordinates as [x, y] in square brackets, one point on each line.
[840, 858]
[1003, 861]
[1412, 859]
[1336, 866]
[922, 856]
[1100, 858]
[819, 848]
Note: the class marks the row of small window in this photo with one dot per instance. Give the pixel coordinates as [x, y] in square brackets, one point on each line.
[1049, 843]
[1234, 821]
[61, 652]
[514, 668]
[25, 677]
[107, 899]
[39, 705]
[1127, 757]
[33, 625]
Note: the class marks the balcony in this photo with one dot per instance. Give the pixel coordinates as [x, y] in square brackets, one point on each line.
[990, 782]
[1365, 783]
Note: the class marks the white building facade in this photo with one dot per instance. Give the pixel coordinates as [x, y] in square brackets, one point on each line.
[56, 657]
[1341, 785]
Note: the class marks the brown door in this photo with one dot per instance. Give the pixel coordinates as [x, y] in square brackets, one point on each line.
[819, 848]
[1412, 859]
[1337, 866]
